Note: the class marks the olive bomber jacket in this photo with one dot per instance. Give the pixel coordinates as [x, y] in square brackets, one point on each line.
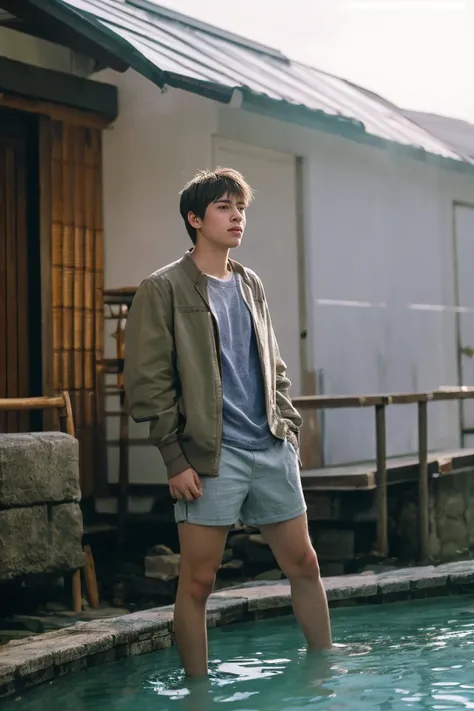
[172, 366]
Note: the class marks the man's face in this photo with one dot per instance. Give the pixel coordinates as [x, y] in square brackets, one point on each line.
[224, 222]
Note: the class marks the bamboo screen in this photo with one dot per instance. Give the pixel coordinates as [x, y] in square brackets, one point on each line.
[77, 281]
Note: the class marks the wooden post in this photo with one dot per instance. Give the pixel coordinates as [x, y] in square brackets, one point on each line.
[76, 591]
[67, 419]
[423, 493]
[311, 447]
[45, 233]
[90, 578]
[123, 468]
[381, 478]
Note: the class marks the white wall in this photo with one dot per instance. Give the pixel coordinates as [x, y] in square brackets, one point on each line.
[378, 250]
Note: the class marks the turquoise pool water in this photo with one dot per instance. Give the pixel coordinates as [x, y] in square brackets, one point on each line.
[413, 655]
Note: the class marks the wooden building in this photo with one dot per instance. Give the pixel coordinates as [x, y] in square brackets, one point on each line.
[51, 231]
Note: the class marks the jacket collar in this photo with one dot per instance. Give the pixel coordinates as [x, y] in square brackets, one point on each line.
[198, 277]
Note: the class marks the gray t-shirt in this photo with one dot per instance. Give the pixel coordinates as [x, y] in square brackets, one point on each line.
[245, 422]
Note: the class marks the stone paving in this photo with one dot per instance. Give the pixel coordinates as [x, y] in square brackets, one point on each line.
[43, 657]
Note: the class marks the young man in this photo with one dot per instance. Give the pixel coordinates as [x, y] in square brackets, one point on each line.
[203, 367]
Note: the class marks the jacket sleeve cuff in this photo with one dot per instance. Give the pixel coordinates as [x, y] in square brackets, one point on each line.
[174, 458]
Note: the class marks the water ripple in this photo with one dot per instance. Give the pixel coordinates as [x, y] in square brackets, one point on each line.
[402, 657]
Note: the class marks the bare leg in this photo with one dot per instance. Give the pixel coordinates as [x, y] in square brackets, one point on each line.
[202, 548]
[292, 547]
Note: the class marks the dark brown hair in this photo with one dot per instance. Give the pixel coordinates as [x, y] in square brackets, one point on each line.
[207, 187]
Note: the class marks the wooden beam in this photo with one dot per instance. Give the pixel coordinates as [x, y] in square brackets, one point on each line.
[16, 404]
[381, 481]
[58, 87]
[54, 111]
[311, 448]
[332, 402]
[423, 482]
[44, 161]
[59, 25]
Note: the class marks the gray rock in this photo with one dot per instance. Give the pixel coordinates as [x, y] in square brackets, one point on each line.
[130, 568]
[233, 565]
[274, 574]
[394, 584]
[456, 567]
[462, 577]
[351, 586]
[7, 675]
[407, 525]
[335, 544]
[141, 589]
[265, 598]
[237, 542]
[332, 568]
[378, 568]
[227, 555]
[452, 549]
[430, 580]
[40, 539]
[162, 567]
[222, 611]
[416, 570]
[454, 506]
[257, 551]
[137, 626]
[453, 531]
[434, 546]
[54, 606]
[469, 516]
[65, 531]
[38, 468]
[160, 549]
[225, 582]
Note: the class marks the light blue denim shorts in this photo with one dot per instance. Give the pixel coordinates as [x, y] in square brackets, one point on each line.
[254, 487]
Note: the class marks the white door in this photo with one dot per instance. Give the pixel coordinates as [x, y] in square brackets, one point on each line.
[464, 235]
[270, 244]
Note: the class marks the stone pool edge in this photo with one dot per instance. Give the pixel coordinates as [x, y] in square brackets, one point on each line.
[40, 658]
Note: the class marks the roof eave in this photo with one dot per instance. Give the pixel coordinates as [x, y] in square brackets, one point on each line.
[300, 115]
[345, 127]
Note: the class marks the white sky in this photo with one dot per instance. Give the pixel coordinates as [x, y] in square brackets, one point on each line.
[417, 53]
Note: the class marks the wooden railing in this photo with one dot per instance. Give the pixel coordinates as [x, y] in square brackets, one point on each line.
[380, 403]
[61, 403]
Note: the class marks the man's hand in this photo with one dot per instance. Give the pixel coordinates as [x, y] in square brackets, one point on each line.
[185, 486]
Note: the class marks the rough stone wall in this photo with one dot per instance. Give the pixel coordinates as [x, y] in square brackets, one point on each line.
[40, 516]
[451, 516]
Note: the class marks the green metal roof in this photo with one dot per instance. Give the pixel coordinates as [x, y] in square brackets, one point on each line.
[175, 50]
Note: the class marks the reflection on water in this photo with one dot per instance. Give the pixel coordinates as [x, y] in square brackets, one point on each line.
[416, 655]
[300, 673]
